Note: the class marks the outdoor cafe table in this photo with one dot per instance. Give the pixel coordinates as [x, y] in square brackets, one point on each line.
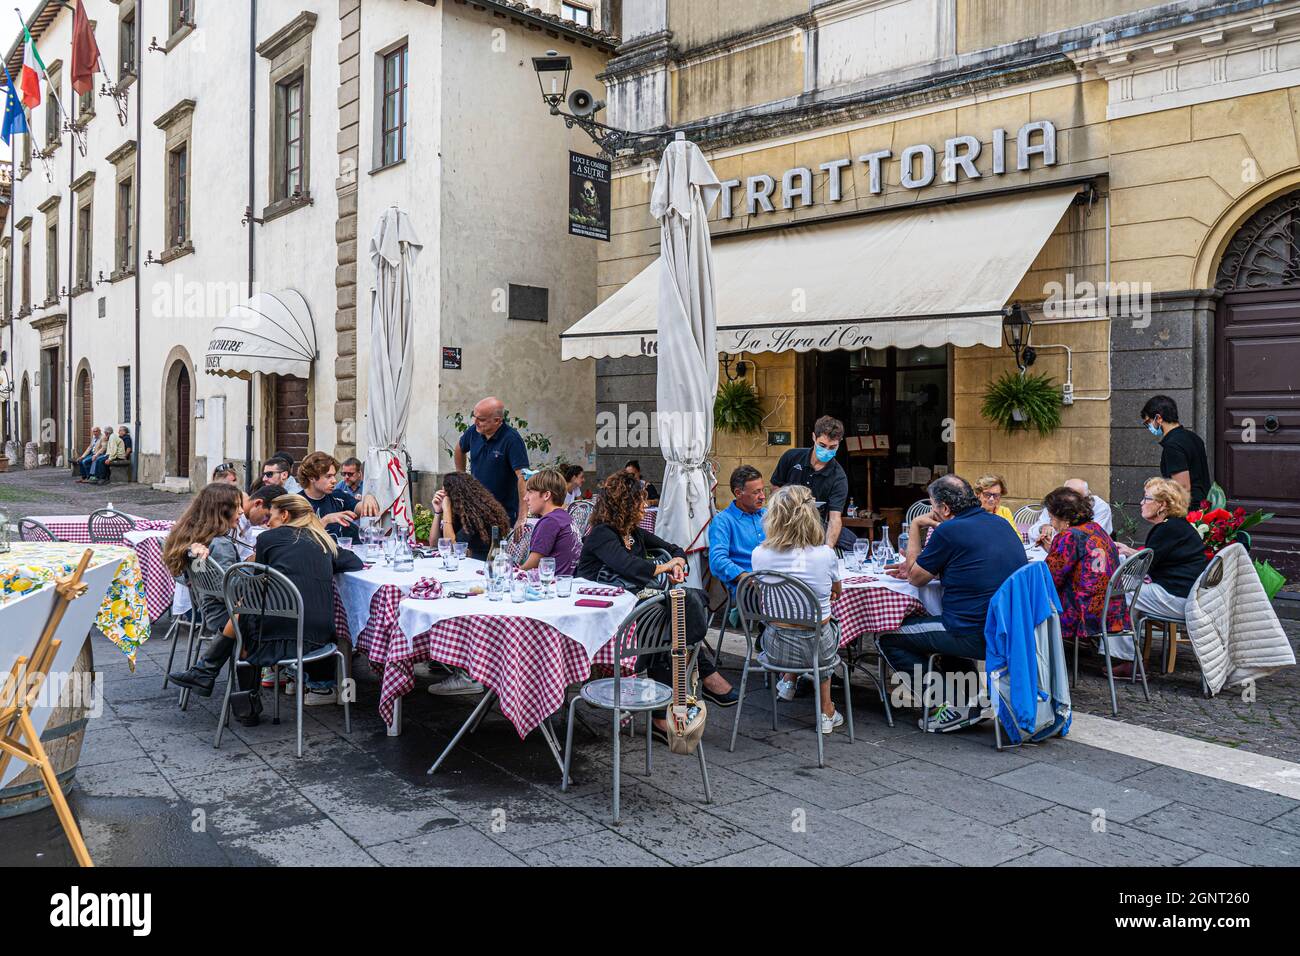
[76, 528]
[526, 654]
[159, 585]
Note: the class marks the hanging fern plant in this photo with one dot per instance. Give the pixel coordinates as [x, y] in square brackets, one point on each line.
[737, 409]
[1016, 402]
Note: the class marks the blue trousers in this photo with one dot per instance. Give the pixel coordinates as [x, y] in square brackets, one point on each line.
[85, 464]
[99, 467]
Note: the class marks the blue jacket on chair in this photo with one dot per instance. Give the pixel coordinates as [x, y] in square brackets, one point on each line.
[1022, 637]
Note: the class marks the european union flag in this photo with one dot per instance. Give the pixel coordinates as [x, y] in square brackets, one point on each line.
[15, 120]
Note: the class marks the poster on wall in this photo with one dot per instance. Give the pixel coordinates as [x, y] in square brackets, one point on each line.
[588, 196]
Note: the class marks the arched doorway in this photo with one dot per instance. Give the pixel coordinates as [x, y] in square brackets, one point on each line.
[84, 412]
[178, 419]
[1257, 354]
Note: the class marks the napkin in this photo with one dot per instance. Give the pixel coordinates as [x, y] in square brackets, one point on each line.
[426, 589]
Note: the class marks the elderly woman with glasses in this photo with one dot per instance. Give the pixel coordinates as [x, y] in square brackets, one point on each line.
[991, 489]
[1179, 551]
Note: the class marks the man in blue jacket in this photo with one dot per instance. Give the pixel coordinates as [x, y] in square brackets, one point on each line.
[972, 551]
[737, 530]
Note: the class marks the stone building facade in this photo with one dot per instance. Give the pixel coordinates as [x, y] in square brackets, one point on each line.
[1171, 271]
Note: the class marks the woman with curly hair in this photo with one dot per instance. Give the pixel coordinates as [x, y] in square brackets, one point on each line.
[1083, 558]
[615, 550]
[207, 528]
[467, 512]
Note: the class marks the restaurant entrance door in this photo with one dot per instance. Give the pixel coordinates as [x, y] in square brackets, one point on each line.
[898, 395]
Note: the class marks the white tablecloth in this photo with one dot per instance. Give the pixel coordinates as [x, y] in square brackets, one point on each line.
[356, 588]
[591, 627]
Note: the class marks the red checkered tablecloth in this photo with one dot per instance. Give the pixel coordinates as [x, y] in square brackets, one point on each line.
[862, 610]
[528, 663]
[648, 520]
[159, 585]
[76, 528]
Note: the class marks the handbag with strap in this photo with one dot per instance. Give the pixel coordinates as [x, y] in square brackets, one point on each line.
[686, 713]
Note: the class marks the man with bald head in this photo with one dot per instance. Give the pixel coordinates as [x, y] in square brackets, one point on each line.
[497, 456]
[1100, 513]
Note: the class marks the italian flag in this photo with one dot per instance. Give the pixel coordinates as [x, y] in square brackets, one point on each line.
[33, 73]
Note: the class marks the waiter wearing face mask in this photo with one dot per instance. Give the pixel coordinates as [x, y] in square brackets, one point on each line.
[817, 468]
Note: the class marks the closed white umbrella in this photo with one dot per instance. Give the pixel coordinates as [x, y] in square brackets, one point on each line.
[393, 250]
[685, 189]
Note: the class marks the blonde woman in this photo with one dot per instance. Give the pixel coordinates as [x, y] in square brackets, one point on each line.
[795, 544]
[992, 489]
[1179, 551]
[297, 545]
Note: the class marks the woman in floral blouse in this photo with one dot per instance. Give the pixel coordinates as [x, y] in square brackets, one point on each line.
[1082, 557]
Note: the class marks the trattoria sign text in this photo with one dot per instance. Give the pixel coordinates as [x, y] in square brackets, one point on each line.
[916, 169]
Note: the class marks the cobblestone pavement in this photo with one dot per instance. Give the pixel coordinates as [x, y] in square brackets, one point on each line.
[46, 491]
[151, 790]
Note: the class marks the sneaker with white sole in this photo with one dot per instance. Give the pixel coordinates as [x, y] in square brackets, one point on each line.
[785, 689]
[317, 696]
[830, 723]
[457, 683]
[947, 718]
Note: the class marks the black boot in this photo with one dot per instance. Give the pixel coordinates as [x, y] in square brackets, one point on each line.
[203, 674]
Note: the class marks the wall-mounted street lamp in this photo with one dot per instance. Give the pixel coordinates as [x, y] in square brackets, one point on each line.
[553, 70]
[1017, 328]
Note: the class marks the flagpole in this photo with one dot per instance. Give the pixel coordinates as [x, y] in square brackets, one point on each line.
[45, 75]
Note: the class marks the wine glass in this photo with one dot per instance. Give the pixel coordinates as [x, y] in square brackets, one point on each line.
[547, 568]
[860, 550]
[444, 545]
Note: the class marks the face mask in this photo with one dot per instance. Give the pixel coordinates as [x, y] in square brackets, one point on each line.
[823, 454]
[1154, 429]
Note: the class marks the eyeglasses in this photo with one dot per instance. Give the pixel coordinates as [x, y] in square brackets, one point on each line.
[222, 468]
[991, 495]
[269, 474]
[1146, 498]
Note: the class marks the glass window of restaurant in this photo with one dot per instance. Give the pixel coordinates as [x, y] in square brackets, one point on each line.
[896, 403]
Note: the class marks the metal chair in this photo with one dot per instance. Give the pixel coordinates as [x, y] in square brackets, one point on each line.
[645, 632]
[1211, 577]
[29, 529]
[258, 590]
[517, 542]
[1027, 516]
[1125, 584]
[205, 578]
[194, 622]
[922, 507]
[770, 597]
[109, 527]
[580, 514]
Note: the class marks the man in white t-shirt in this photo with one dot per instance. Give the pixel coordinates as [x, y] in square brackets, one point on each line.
[1100, 512]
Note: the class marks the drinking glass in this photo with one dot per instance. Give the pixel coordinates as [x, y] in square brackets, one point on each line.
[564, 585]
[518, 589]
[462, 549]
[496, 588]
[444, 545]
[546, 569]
[860, 551]
[390, 549]
[450, 560]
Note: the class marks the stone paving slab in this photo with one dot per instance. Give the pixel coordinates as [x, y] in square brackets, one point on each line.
[895, 797]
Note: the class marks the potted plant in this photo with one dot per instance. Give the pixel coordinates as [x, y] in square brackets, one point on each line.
[737, 408]
[1018, 402]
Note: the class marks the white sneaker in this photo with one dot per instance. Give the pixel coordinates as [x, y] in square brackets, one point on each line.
[425, 669]
[315, 698]
[785, 689]
[830, 723]
[457, 683]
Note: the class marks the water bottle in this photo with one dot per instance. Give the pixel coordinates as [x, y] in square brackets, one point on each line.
[403, 558]
[852, 510]
[902, 545]
[883, 546]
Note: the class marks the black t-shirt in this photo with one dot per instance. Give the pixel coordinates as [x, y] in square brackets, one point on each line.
[830, 485]
[336, 501]
[1179, 556]
[1181, 450]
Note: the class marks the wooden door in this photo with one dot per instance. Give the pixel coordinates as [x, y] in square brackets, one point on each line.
[183, 408]
[86, 421]
[1258, 442]
[291, 428]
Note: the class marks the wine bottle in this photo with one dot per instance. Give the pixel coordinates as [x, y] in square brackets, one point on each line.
[495, 548]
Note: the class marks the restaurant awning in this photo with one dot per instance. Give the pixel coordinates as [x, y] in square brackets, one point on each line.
[272, 332]
[931, 276]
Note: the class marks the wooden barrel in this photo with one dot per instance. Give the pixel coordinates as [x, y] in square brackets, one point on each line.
[62, 740]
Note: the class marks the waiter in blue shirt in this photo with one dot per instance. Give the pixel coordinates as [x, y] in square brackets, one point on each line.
[497, 456]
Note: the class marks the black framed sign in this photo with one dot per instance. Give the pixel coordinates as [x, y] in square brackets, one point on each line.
[450, 357]
[589, 196]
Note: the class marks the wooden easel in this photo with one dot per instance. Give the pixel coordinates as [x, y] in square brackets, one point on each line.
[19, 693]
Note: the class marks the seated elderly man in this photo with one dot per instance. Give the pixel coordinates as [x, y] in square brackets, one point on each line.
[737, 530]
[972, 552]
[1040, 531]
